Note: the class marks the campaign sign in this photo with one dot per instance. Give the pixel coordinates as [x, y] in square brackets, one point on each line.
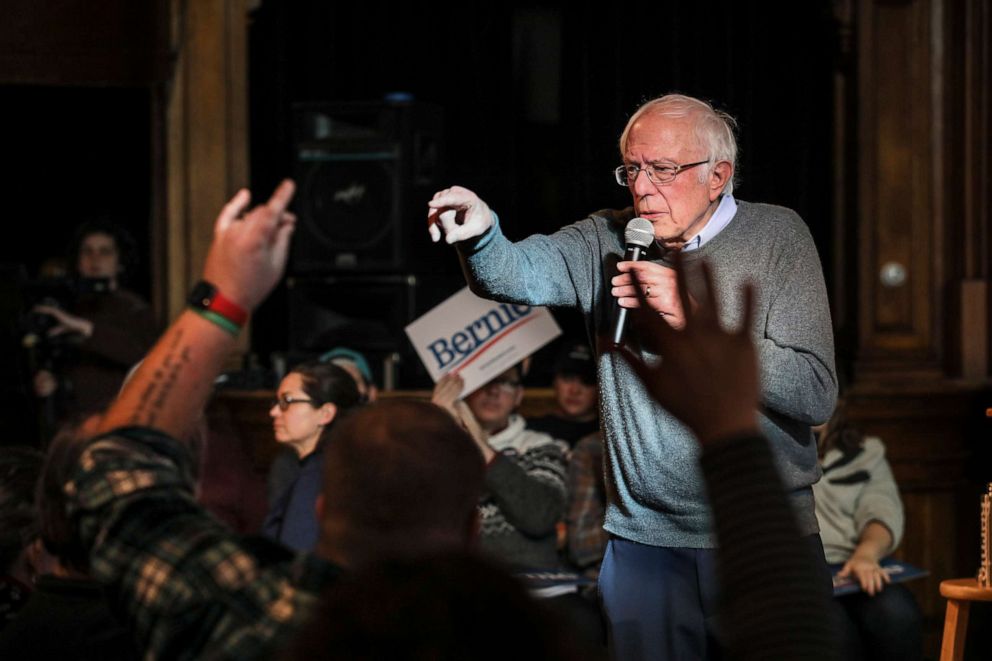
[477, 338]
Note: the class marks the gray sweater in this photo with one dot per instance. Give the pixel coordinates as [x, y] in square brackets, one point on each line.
[655, 490]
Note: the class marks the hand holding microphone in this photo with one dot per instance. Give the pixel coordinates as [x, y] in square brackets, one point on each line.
[656, 283]
[638, 235]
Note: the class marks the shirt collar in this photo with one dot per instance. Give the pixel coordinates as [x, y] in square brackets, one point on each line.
[721, 218]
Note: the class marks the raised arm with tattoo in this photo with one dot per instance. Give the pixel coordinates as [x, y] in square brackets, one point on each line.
[246, 259]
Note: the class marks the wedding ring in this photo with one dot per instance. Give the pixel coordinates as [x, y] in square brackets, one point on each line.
[647, 291]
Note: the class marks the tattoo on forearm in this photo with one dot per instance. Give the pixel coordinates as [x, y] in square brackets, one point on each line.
[153, 398]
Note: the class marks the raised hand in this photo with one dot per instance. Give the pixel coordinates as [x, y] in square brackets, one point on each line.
[447, 391]
[246, 259]
[458, 214]
[708, 376]
[446, 394]
[249, 252]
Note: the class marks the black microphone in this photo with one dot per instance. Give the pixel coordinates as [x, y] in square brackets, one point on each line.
[638, 236]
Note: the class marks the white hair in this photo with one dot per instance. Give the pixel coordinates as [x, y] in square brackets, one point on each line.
[714, 128]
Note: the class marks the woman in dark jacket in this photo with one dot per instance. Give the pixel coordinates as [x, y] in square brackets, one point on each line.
[310, 398]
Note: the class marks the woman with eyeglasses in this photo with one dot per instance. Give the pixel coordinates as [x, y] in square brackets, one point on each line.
[309, 400]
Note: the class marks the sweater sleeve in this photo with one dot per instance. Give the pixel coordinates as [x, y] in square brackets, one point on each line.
[540, 270]
[796, 354]
[530, 490]
[774, 602]
[879, 501]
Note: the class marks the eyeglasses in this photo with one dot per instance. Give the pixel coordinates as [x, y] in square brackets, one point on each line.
[505, 385]
[658, 173]
[286, 401]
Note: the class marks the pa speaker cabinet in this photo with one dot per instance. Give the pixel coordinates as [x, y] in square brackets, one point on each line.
[367, 313]
[365, 172]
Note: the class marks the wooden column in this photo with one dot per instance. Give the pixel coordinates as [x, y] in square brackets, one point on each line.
[206, 136]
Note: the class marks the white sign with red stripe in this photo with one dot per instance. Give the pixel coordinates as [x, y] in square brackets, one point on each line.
[477, 338]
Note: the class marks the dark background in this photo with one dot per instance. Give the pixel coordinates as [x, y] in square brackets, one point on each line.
[532, 98]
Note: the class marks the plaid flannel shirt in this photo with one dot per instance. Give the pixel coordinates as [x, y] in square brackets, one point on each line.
[187, 586]
[586, 506]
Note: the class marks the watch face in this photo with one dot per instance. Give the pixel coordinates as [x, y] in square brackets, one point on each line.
[202, 295]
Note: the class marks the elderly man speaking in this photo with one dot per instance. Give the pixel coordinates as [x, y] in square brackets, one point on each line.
[658, 580]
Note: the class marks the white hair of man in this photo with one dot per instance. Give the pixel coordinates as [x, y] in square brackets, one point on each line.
[714, 129]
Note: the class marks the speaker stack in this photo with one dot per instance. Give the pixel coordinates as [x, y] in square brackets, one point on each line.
[361, 265]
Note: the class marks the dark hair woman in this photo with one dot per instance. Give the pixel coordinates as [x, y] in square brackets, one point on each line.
[309, 400]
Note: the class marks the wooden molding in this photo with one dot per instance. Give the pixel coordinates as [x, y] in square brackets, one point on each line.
[206, 137]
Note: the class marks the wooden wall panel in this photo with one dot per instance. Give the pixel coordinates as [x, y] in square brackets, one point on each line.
[900, 221]
[918, 100]
[913, 85]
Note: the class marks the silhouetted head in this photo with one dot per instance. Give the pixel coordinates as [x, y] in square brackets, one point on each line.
[452, 606]
[401, 478]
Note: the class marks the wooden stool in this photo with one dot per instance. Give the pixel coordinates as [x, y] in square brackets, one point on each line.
[960, 592]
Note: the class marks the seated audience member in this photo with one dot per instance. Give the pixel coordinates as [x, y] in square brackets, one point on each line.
[861, 522]
[286, 465]
[453, 606]
[525, 477]
[68, 615]
[355, 364]
[20, 468]
[586, 538]
[105, 331]
[308, 402]
[401, 479]
[576, 397]
[773, 604]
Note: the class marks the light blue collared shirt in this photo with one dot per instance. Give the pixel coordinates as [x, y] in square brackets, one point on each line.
[720, 219]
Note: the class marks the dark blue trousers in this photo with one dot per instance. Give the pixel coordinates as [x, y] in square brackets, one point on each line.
[661, 602]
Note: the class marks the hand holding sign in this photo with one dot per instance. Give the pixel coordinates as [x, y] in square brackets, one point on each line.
[477, 338]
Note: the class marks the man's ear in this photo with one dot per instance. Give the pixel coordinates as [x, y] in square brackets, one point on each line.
[721, 174]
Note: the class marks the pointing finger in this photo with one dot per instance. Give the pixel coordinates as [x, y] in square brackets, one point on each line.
[232, 210]
[282, 196]
[454, 197]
